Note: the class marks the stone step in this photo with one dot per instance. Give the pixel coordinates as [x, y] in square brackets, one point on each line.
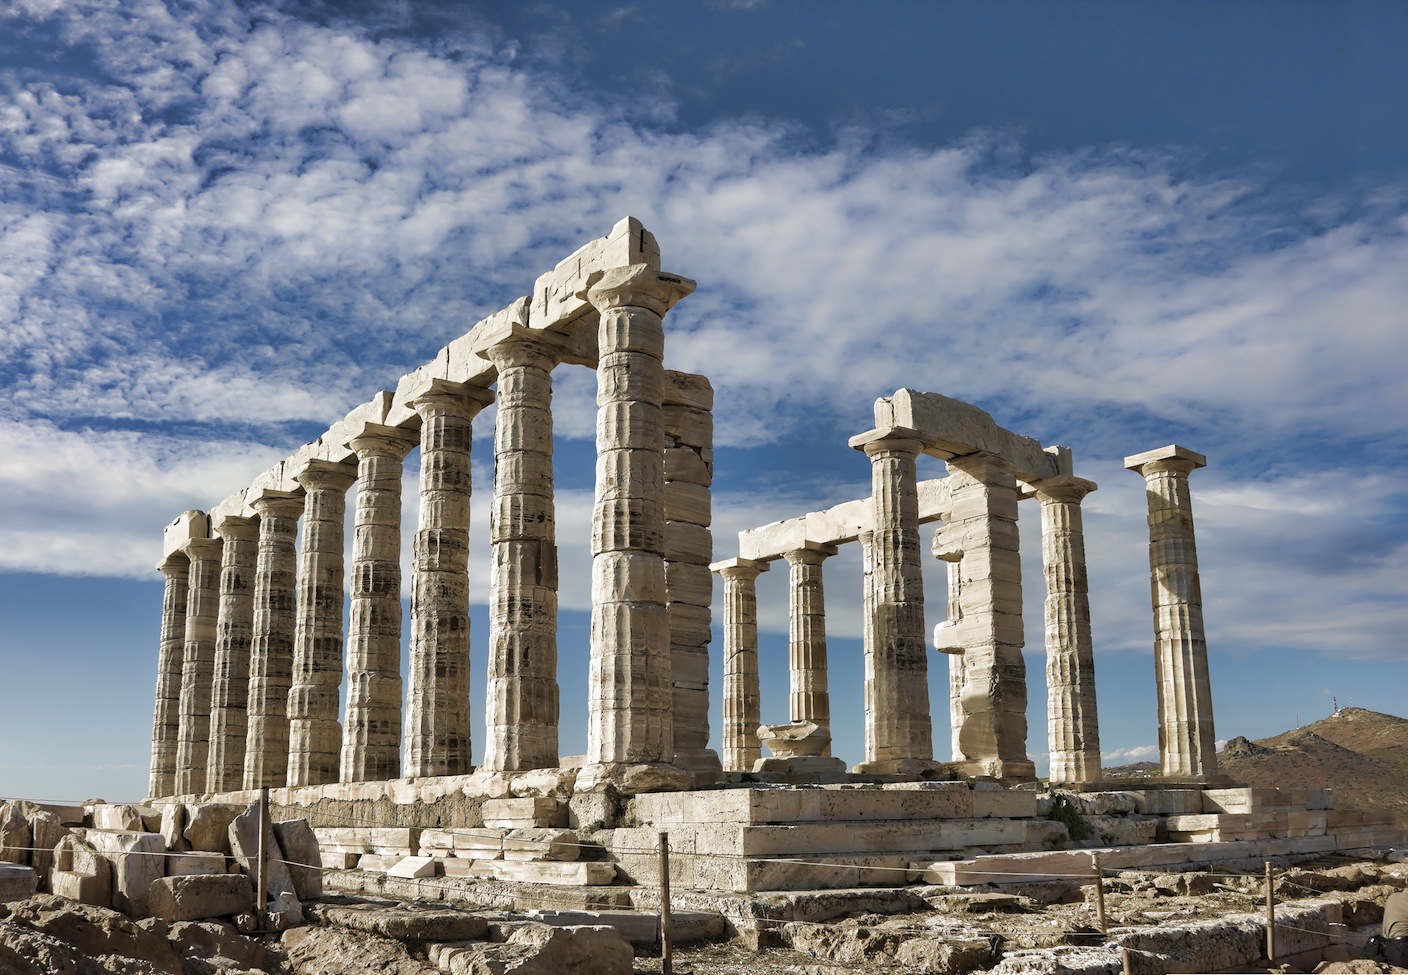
[642, 927]
[828, 804]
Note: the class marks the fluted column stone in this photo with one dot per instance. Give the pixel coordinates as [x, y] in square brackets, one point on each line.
[371, 730]
[234, 632]
[271, 649]
[166, 719]
[742, 702]
[1187, 743]
[809, 698]
[314, 725]
[1073, 727]
[521, 709]
[198, 664]
[437, 735]
[897, 682]
[631, 692]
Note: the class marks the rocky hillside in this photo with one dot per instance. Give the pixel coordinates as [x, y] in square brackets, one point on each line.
[1362, 755]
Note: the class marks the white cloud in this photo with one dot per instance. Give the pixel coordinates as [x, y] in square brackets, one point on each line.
[1128, 756]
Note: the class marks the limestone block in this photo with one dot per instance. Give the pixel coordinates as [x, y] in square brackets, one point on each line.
[439, 842]
[541, 844]
[458, 868]
[137, 859]
[195, 864]
[378, 862]
[17, 882]
[173, 824]
[299, 845]
[687, 389]
[1245, 800]
[412, 867]
[520, 812]
[244, 846]
[688, 543]
[191, 898]
[86, 888]
[955, 427]
[690, 583]
[394, 838]
[688, 465]
[208, 825]
[483, 844]
[1166, 802]
[16, 837]
[689, 427]
[579, 874]
[692, 503]
[123, 818]
[338, 861]
[188, 525]
[559, 295]
[1104, 803]
[1006, 803]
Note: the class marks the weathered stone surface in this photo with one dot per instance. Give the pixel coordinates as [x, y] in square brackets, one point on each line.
[541, 844]
[208, 826]
[234, 631]
[299, 845]
[542, 949]
[742, 697]
[16, 837]
[137, 859]
[218, 945]
[195, 863]
[406, 923]
[124, 818]
[80, 873]
[193, 898]
[271, 646]
[413, 867]
[173, 825]
[17, 881]
[197, 665]
[244, 846]
[525, 811]
[325, 950]
[95, 932]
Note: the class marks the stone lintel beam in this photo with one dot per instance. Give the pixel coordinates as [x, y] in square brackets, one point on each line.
[560, 296]
[840, 524]
[951, 428]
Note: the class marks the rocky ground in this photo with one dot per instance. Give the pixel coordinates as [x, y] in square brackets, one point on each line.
[1047, 927]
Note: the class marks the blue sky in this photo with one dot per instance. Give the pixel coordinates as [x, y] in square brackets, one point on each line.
[1114, 226]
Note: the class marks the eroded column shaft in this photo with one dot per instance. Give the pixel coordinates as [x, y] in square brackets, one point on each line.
[234, 632]
[371, 729]
[809, 698]
[166, 719]
[198, 664]
[742, 697]
[314, 728]
[437, 699]
[271, 649]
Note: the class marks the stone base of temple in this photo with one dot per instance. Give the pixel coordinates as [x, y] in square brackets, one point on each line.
[908, 768]
[801, 770]
[1007, 772]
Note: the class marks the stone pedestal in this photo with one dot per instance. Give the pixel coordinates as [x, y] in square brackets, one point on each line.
[899, 733]
[992, 695]
[631, 692]
[522, 694]
[1073, 728]
[198, 664]
[234, 631]
[371, 731]
[271, 650]
[314, 728]
[809, 700]
[437, 700]
[1187, 743]
[166, 720]
[742, 696]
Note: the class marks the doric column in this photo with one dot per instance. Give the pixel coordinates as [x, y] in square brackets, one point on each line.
[982, 525]
[437, 698]
[314, 728]
[742, 698]
[1187, 745]
[198, 664]
[809, 699]
[629, 718]
[1073, 727]
[166, 720]
[689, 548]
[229, 695]
[271, 649]
[371, 731]
[521, 709]
[900, 735]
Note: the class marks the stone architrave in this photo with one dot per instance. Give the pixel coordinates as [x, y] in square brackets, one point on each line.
[899, 731]
[371, 731]
[314, 727]
[198, 664]
[689, 548]
[631, 689]
[742, 695]
[234, 633]
[1073, 727]
[271, 649]
[166, 720]
[982, 524]
[809, 699]
[437, 698]
[1187, 744]
[522, 693]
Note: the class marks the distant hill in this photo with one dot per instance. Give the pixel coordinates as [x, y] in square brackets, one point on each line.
[1361, 755]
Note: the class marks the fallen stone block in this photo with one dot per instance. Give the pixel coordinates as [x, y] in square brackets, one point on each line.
[480, 844]
[97, 932]
[193, 898]
[121, 818]
[173, 825]
[244, 845]
[378, 862]
[218, 946]
[15, 835]
[17, 881]
[195, 863]
[338, 861]
[208, 825]
[81, 873]
[413, 867]
[404, 922]
[137, 859]
[46, 830]
[579, 874]
[541, 949]
[299, 845]
[541, 844]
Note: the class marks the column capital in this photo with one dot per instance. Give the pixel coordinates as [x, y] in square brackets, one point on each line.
[744, 569]
[512, 344]
[875, 443]
[237, 527]
[810, 553]
[319, 473]
[444, 396]
[198, 549]
[1064, 487]
[271, 503]
[172, 563]
[376, 439]
[638, 285]
[1173, 458]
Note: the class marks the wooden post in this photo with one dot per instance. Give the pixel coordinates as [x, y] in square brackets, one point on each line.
[1270, 915]
[1126, 965]
[1099, 893]
[666, 946]
[261, 901]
